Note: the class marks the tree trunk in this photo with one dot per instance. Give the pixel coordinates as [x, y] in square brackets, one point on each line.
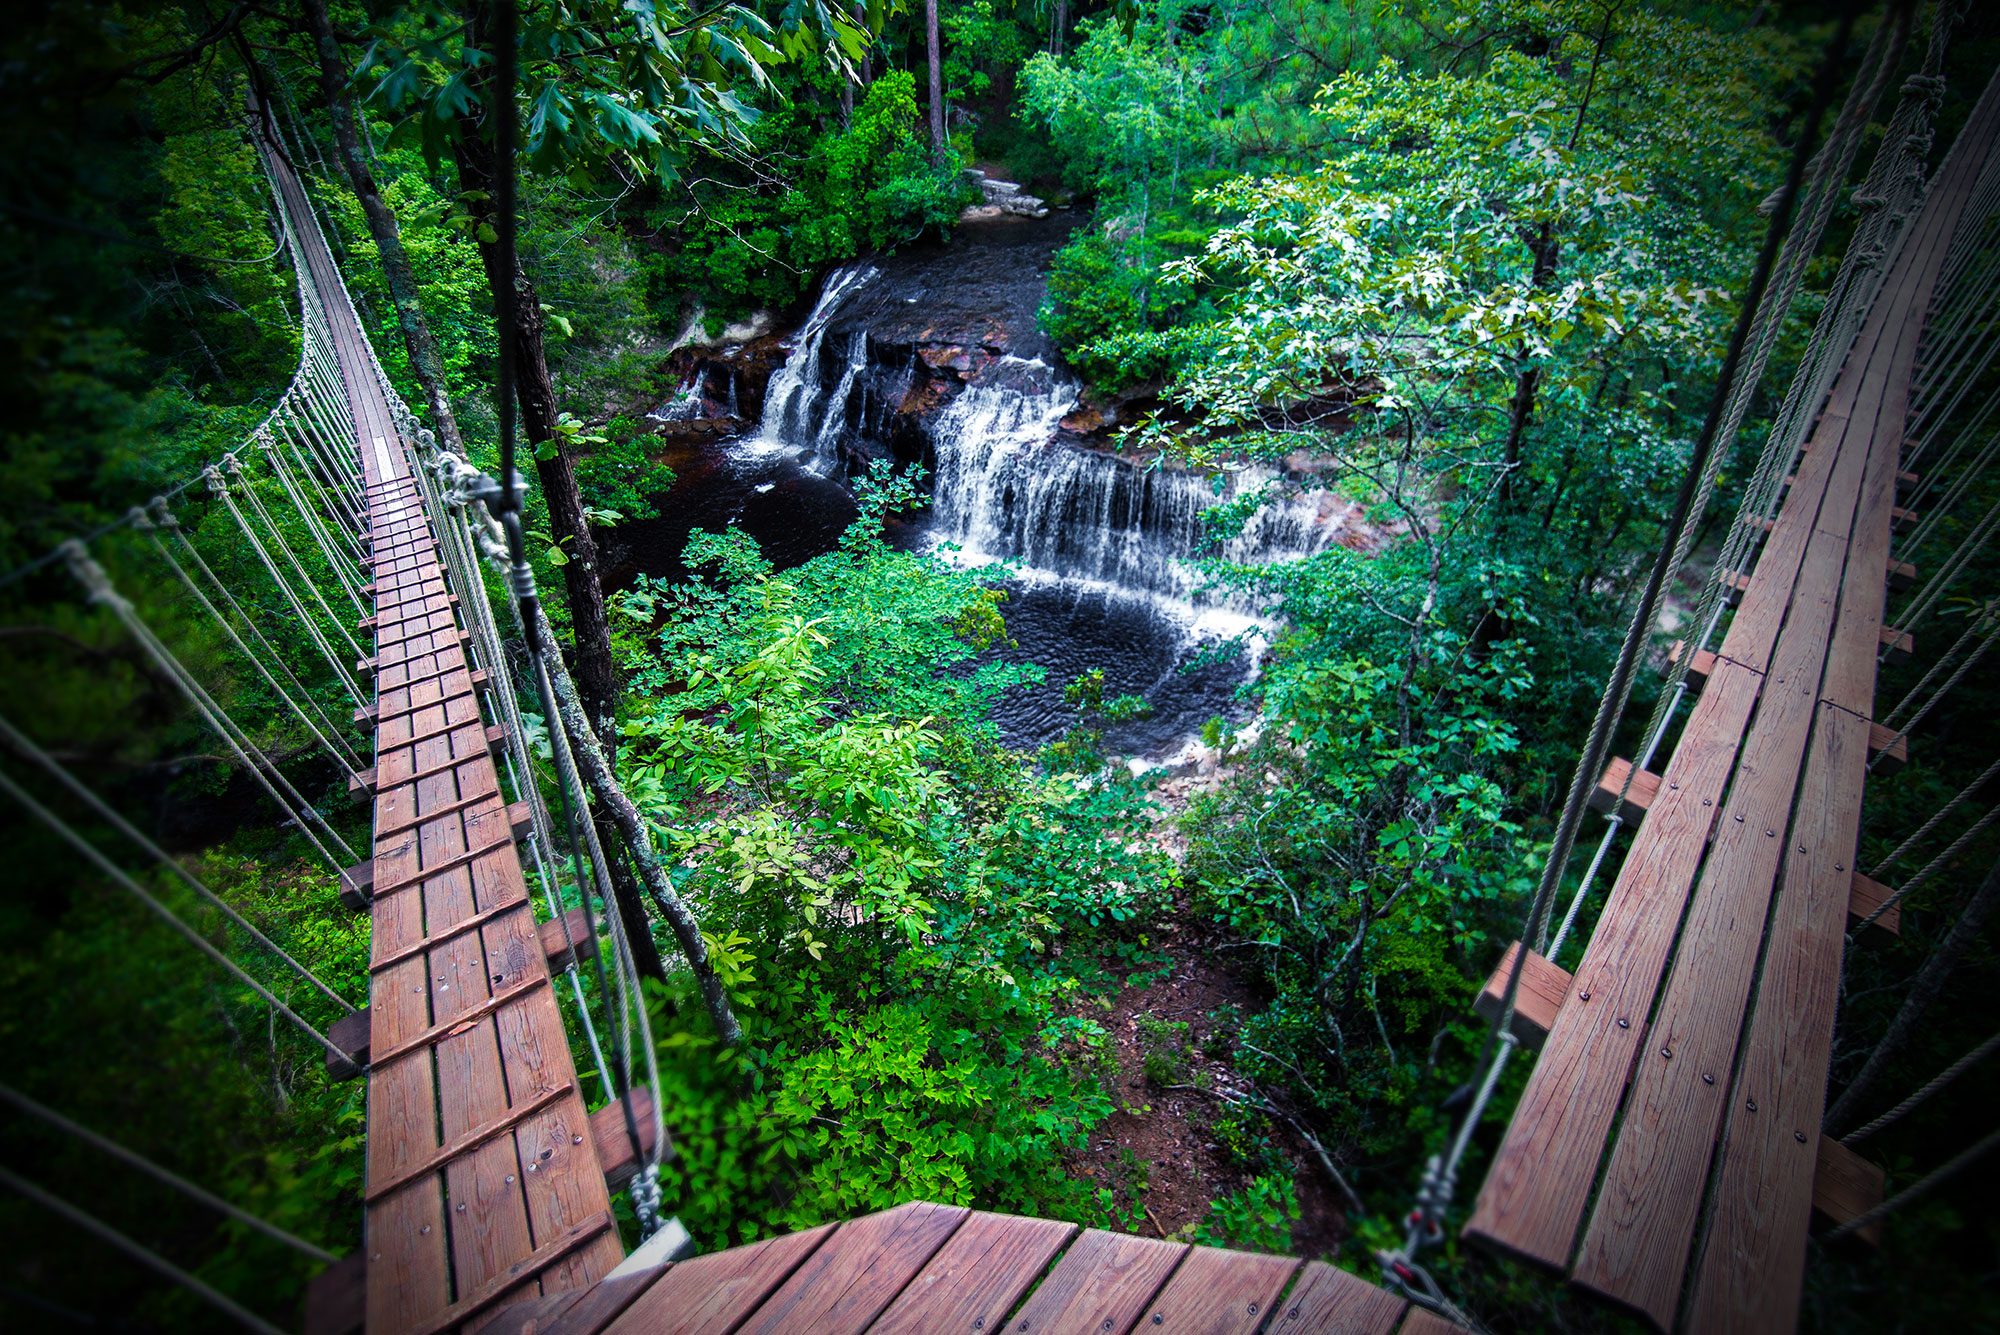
[425, 362]
[1522, 410]
[1058, 27]
[860, 13]
[1924, 989]
[937, 78]
[534, 389]
[631, 826]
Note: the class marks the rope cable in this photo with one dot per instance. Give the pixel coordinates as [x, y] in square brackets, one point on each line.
[171, 1178]
[1910, 1193]
[267, 773]
[1929, 1087]
[151, 1260]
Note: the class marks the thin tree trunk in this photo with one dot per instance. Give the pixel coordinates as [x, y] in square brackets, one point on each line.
[937, 78]
[631, 827]
[1058, 27]
[1924, 989]
[860, 13]
[425, 362]
[534, 389]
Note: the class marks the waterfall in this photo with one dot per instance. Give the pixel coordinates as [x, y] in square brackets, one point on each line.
[801, 409]
[1006, 491]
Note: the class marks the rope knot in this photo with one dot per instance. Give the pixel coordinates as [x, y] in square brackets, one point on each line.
[213, 476]
[91, 575]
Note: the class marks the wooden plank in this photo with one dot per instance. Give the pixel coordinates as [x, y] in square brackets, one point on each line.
[489, 1292]
[1865, 896]
[1220, 1292]
[1636, 1244]
[1889, 749]
[563, 937]
[1103, 1278]
[1536, 1000]
[1846, 1186]
[1752, 1263]
[575, 1311]
[713, 1294]
[1638, 798]
[1702, 664]
[844, 1285]
[1329, 1301]
[971, 1285]
[1541, 1177]
[613, 1139]
[1423, 1322]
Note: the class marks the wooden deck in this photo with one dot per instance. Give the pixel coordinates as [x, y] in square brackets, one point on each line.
[923, 1269]
[483, 1179]
[1701, 1016]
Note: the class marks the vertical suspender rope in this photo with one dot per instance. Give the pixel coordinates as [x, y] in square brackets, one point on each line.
[220, 489]
[235, 470]
[164, 518]
[342, 561]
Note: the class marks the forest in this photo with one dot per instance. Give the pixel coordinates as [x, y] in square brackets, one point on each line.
[1081, 546]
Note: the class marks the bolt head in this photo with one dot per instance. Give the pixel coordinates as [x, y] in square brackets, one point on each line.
[1624, 1023]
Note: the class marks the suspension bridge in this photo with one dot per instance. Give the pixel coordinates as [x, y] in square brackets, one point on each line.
[1672, 1149]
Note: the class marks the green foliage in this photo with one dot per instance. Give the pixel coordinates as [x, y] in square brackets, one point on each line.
[616, 474]
[746, 239]
[888, 888]
[1164, 1052]
[1258, 1218]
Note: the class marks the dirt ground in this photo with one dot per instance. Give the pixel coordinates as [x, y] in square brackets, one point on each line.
[1158, 1151]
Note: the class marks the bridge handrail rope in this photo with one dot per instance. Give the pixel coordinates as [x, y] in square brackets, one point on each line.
[1934, 821]
[1931, 868]
[1928, 1088]
[175, 1180]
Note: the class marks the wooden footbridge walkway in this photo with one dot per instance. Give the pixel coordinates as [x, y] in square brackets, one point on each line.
[1666, 1154]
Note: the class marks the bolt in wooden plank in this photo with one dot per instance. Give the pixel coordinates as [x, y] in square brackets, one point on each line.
[1102, 1284]
[977, 1278]
[1541, 1178]
[847, 1283]
[1219, 1292]
[1330, 1301]
[1636, 1245]
[1752, 1262]
[714, 1294]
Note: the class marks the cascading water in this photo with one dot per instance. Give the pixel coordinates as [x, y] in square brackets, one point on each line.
[1006, 491]
[805, 408]
[935, 356]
